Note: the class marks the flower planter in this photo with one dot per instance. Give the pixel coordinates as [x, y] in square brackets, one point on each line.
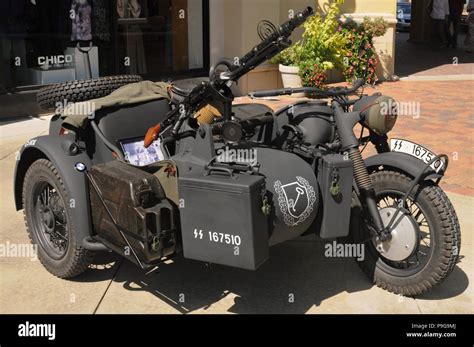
[290, 78]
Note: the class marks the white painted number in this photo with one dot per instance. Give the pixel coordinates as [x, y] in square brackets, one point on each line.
[225, 238]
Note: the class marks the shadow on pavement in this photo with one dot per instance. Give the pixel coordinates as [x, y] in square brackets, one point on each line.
[296, 270]
[414, 58]
[104, 267]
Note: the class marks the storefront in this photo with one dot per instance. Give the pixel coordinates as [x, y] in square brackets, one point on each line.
[156, 39]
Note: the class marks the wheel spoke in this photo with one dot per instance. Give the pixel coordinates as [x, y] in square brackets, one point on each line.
[423, 241]
[51, 216]
[56, 233]
[423, 223]
[46, 196]
[39, 203]
[419, 256]
[418, 213]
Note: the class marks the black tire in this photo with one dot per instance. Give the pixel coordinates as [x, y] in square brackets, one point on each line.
[72, 259]
[443, 231]
[82, 90]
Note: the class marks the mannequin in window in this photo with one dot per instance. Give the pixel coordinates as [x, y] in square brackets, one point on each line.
[81, 21]
[135, 50]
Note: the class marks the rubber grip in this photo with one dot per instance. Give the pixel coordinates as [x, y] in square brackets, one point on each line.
[151, 135]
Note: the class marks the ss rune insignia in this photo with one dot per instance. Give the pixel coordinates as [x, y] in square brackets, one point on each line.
[296, 200]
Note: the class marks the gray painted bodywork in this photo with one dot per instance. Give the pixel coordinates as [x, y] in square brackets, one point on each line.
[51, 147]
[404, 162]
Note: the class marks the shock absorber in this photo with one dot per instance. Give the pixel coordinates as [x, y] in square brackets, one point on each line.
[361, 175]
[366, 188]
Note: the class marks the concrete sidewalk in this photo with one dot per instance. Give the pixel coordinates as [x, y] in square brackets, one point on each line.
[296, 270]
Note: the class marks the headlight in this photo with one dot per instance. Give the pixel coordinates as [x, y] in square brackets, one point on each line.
[379, 112]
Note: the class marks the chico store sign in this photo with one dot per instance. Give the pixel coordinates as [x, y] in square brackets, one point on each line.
[55, 59]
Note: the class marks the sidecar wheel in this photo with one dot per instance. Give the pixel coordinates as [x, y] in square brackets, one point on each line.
[48, 222]
[438, 236]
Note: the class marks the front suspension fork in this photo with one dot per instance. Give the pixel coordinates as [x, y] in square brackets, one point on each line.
[367, 192]
[345, 123]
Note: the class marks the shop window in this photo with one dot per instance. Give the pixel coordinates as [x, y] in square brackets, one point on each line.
[154, 38]
[157, 37]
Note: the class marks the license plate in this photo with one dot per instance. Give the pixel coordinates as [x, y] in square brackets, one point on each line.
[417, 151]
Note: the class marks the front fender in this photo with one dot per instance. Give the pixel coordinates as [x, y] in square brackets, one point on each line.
[51, 148]
[402, 162]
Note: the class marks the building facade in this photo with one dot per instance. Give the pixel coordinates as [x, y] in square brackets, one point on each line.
[233, 31]
[43, 41]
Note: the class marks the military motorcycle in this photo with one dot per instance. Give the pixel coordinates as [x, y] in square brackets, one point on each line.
[199, 177]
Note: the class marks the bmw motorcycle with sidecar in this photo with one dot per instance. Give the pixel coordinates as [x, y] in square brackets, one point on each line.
[157, 179]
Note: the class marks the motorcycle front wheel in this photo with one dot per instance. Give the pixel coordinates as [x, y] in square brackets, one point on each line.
[428, 233]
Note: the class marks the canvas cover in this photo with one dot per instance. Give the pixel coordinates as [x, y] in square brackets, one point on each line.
[77, 114]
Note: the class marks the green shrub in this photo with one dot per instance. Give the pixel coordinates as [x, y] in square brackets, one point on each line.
[327, 43]
[320, 44]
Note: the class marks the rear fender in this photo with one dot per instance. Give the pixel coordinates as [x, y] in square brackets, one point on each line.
[51, 148]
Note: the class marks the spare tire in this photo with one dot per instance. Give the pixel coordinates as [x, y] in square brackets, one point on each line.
[82, 90]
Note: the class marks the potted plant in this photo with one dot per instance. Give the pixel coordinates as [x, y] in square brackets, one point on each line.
[288, 61]
[321, 48]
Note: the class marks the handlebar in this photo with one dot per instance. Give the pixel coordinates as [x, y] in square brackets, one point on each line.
[328, 93]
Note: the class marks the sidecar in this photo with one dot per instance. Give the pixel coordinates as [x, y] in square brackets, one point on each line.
[220, 192]
[96, 188]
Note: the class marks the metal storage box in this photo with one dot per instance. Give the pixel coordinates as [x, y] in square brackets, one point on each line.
[222, 220]
[335, 176]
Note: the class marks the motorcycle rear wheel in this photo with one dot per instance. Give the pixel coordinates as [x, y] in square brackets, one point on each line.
[439, 236]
